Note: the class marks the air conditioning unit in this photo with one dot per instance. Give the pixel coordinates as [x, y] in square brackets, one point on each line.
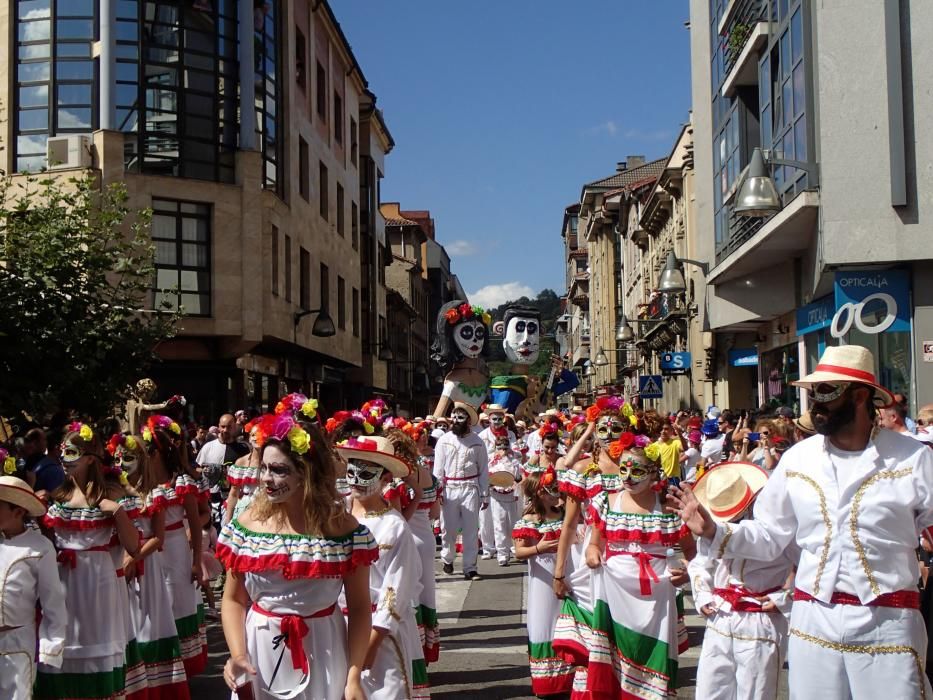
[71, 151]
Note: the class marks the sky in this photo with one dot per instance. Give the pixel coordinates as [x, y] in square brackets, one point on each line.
[502, 110]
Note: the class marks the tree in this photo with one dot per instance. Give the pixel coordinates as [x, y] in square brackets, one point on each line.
[76, 270]
[549, 305]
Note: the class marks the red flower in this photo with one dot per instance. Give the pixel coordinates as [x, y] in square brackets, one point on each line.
[466, 311]
[625, 441]
[592, 413]
[452, 316]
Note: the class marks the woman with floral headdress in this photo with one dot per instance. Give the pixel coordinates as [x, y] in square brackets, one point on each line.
[536, 536]
[84, 515]
[166, 487]
[459, 344]
[287, 556]
[150, 603]
[243, 475]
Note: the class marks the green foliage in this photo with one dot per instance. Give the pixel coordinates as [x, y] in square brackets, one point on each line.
[548, 303]
[76, 266]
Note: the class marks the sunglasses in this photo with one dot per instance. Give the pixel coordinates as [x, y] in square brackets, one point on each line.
[826, 392]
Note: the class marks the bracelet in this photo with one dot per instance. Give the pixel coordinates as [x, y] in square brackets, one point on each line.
[537, 551]
[558, 578]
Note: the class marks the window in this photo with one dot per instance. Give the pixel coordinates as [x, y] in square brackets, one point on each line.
[323, 189]
[355, 225]
[301, 58]
[304, 280]
[341, 304]
[181, 232]
[275, 260]
[381, 265]
[321, 91]
[304, 170]
[338, 118]
[325, 287]
[355, 309]
[354, 143]
[288, 268]
[340, 206]
[267, 66]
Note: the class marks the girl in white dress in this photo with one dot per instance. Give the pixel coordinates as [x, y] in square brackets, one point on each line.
[243, 476]
[83, 518]
[287, 557]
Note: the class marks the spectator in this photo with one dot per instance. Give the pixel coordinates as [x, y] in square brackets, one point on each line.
[711, 449]
[893, 418]
[901, 400]
[691, 456]
[671, 449]
[44, 472]
[200, 438]
[784, 415]
[225, 450]
[727, 422]
[803, 427]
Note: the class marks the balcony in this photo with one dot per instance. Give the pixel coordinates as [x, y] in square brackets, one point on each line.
[744, 70]
[743, 29]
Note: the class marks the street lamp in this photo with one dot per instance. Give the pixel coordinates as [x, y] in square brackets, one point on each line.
[672, 277]
[624, 332]
[590, 370]
[323, 326]
[601, 360]
[757, 195]
[385, 352]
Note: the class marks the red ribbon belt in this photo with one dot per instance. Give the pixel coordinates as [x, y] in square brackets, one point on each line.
[175, 526]
[737, 597]
[646, 573]
[69, 557]
[897, 599]
[461, 478]
[295, 630]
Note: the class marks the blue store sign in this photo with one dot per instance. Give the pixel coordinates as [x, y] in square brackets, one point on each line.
[743, 357]
[816, 315]
[673, 363]
[871, 302]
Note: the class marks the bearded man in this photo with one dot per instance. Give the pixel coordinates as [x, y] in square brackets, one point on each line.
[854, 499]
[461, 467]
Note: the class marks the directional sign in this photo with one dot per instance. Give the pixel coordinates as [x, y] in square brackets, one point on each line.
[649, 386]
[674, 363]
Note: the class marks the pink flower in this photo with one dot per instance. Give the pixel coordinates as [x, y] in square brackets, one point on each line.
[642, 441]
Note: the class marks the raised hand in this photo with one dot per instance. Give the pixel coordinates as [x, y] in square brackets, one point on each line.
[681, 500]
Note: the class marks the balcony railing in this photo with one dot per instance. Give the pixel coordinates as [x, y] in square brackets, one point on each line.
[736, 30]
[741, 228]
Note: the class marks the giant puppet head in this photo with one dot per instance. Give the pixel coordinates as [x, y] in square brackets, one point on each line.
[521, 334]
[462, 333]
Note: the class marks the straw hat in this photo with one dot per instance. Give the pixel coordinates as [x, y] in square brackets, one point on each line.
[474, 419]
[848, 363]
[378, 450]
[16, 491]
[805, 424]
[494, 408]
[728, 489]
[503, 479]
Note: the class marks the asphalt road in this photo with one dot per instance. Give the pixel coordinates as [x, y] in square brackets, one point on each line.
[483, 652]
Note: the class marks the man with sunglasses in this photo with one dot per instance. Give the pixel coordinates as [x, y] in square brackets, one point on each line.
[854, 499]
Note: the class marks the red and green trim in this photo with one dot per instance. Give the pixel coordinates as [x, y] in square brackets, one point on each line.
[80, 686]
[550, 674]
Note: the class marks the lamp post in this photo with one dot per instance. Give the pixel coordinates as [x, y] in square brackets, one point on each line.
[323, 326]
[758, 195]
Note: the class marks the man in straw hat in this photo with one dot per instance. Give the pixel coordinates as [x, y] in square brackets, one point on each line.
[461, 467]
[30, 577]
[854, 500]
[496, 418]
[744, 601]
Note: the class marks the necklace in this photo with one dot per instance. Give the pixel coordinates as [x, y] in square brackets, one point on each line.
[377, 513]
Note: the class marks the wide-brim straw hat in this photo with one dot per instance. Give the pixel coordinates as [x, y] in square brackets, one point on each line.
[474, 418]
[378, 450]
[16, 491]
[848, 363]
[503, 480]
[805, 424]
[494, 408]
[727, 489]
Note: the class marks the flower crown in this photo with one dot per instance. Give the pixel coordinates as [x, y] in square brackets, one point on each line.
[297, 403]
[547, 478]
[550, 426]
[374, 408]
[283, 426]
[82, 429]
[159, 421]
[8, 462]
[341, 417]
[121, 440]
[465, 312]
[612, 403]
[628, 439]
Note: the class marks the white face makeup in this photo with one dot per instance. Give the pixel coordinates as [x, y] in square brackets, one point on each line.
[608, 428]
[459, 416]
[469, 337]
[126, 460]
[364, 477]
[497, 420]
[70, 452]
[522, 340]
[277, 474]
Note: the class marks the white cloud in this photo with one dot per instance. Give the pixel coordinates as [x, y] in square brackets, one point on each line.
[607, 127]
[460, 248]
[649, 134]
[493, 295]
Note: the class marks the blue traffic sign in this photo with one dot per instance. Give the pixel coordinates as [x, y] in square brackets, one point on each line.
[649, 386]
[675, 363]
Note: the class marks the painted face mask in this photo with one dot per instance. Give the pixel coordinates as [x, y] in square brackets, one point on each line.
[469, 338]
[459, 417]
[364, 477]
[522, 340]
[608, 429]
[497, 420]
[70, 452]
[278, 477]
[126, 460]
[634, 472]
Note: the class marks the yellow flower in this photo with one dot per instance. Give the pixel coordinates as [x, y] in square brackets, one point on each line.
[147, 435]
[487, 319]
[368, 428]
[123, 479]
[652, 451]
[309, 408]
[633, 420]
[86, 433]
[299, 440]
[175, 428]
[9, 466]
[130, 442]
[627, 410]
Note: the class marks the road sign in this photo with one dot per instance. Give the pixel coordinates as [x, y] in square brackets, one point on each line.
[674, 363]
[649, 386]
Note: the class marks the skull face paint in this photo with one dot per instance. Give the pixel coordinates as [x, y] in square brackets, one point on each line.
[469, 338]
[460, 422]
[522, 340]
[608, 428]
[126, 460]
[278, 476]
[497, 420]
[365, 478]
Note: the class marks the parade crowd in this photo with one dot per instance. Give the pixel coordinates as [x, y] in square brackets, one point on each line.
[797, 536]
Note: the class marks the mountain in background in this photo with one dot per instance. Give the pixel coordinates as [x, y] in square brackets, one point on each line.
[549, 304]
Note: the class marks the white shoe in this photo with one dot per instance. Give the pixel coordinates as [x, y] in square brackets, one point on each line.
[487, 555]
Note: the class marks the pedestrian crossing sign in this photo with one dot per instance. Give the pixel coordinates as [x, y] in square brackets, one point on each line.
[649, 386]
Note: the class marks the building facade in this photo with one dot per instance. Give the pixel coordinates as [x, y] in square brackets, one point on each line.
[844, 256]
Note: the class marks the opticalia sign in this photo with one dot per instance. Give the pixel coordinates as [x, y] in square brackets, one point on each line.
[872, 302]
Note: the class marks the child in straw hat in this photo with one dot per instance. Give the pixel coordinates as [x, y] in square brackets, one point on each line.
[745, 602]
[29, 573]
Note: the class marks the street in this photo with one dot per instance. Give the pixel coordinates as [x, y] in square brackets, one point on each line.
[483, 641]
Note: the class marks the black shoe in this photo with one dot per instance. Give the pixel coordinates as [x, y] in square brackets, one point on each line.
[472, 576]
[448, 568]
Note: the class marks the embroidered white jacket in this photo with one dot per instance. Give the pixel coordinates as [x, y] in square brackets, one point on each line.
[867, 520]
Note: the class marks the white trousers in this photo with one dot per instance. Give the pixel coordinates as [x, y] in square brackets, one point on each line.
[461, 512]
[742, 656]
[855, 652]
[17, 667]
[487, 532]
[502, 518]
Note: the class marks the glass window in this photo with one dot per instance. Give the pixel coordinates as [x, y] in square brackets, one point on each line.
[74, 94]
[74, 70]
[74, 29]
[34, 120]
[33, 72]
[40, 30]
[33, 9]
[74, 118]
[181, 232]
[37, 96]
[31, 51]
[75, 8]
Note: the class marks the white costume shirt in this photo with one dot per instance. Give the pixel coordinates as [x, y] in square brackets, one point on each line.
[533, 442]
[462, 461]
[489, 439]
[857, 527]
[711, 450]
[510, 463]
[29, 571]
